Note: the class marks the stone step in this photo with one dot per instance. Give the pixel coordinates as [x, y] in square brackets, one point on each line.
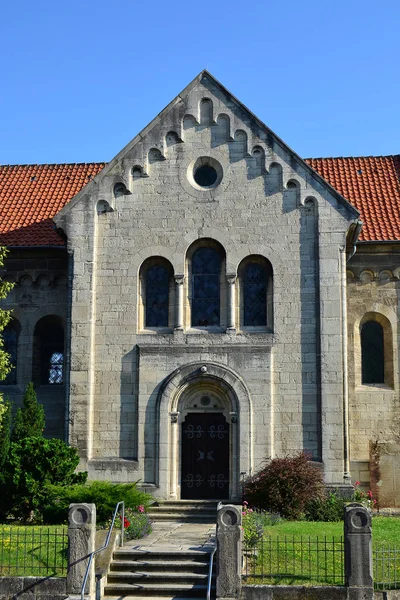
[193, 503]
[132, 554]
[183, 518]
[156, 565]
[142, 589]
[129, 597]
[155, 577]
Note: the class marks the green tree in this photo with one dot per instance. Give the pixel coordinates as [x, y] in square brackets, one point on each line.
[32, 465]
[5, 434]
[29, 420]
[5, 316]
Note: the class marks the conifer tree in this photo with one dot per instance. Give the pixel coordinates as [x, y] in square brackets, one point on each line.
[29, 420]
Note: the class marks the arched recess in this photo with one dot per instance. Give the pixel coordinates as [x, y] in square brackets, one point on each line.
[206, 285]
[375, 342]
[156, 294]
[48, 351]
[177, 398]
[255, 294]
[10, 337]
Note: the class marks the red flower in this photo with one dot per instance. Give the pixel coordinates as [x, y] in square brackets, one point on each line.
[126, 522]
[357, 483]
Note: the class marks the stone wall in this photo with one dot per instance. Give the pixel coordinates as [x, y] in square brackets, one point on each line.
[267, 203]
[34, 588]
[40, 278]
[373, 292]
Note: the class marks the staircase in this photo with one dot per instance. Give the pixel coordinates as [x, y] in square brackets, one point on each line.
[184, 511]
[173, 562]
[165, 574]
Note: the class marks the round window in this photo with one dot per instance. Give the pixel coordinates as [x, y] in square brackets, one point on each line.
[205, 176]
[205, 173]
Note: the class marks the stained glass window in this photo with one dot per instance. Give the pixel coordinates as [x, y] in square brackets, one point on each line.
[157, 296]
[10, 338]
[48, 351]
[372, 353]
[56, 367]
[255, 295]
[206, 266]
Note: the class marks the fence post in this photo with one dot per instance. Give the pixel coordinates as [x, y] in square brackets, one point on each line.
[358, 552]
[81, 542]
[229, 551]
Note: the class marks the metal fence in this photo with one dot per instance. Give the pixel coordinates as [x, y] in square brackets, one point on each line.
[295, 560]
[386, 561]
[33, 551]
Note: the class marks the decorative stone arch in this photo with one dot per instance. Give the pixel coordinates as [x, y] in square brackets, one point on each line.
[234, 395]
[154, 251]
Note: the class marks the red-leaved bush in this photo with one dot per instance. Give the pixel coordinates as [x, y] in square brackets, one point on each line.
[285, 485]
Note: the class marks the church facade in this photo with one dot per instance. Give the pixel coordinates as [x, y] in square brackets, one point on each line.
[207, 300]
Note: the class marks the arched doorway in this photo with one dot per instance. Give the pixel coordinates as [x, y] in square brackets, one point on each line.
[205, 449]
[220, 394]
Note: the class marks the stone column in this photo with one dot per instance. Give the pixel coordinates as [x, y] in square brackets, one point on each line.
[358, 552]
[174, 453]
[231, 321]
[179, 281]
[229, 551]
[81, 542]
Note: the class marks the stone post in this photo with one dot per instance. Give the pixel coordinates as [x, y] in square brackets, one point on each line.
[81, 542]
[231, 279]
[358, 552]
[179, 280]
[229, 551]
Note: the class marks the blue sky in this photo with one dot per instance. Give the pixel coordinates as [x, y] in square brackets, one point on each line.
[81, 78]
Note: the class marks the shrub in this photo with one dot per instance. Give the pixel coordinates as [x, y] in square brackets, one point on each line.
[254, 522]
[365, 498]
[33, 464]
[137, 523]
[29, 420]
[329, 508]
[285, 486]
[104, 494]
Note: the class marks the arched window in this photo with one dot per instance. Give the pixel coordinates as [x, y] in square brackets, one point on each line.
[157, 296]
[255, 292]
[48, 351]
[205, 296]
[10, 337]
[372, 353]
[255, 295]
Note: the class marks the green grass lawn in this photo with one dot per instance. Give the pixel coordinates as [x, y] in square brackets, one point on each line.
[385, 530]
[311, 553]
[33, 551]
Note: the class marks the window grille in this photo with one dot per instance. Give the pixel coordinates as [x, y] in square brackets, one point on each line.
[157, 296]
[372, 353]
[255, 296]
[206, 266]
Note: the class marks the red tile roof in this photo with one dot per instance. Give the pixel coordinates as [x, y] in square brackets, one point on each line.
[372, 185]
[31, 195]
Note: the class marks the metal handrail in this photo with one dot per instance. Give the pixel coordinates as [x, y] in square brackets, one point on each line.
[92, 554]
[210, 570]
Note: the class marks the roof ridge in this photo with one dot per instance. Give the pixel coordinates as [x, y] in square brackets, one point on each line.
[352, 157]
[104, 162]
[55, 164]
